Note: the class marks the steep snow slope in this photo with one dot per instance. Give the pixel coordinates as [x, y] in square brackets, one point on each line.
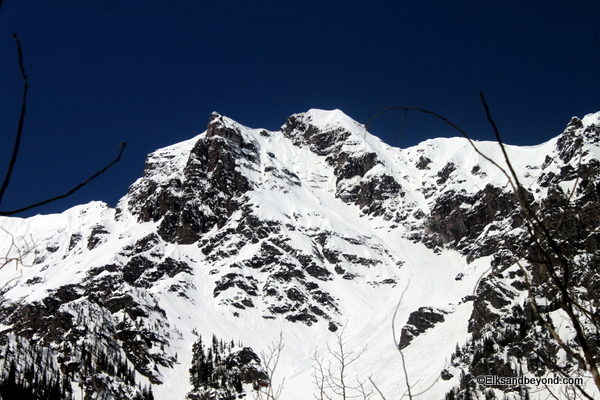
[308, 232]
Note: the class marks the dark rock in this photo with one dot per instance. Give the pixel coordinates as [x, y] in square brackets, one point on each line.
[418, 322]
[75, 239]
[246, 283]
[446, 375]
[423, 163]
[444, 173]
[96, 236]
[303, 133]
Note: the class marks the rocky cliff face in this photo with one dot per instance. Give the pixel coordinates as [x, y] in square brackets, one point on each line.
[316, 230]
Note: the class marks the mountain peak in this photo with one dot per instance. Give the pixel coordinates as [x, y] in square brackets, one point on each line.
[591, 119]
[322, 131]
[243, 233]
[330, 118]
[214, 115]
[224, 127]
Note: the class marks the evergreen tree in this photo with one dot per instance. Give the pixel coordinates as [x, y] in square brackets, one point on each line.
[9, 389]
[55, 391]
[150, 395]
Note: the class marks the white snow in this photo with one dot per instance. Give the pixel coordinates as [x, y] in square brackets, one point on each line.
[366, 307]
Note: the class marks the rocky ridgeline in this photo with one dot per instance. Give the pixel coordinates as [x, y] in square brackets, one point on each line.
[508, 338]
[107, 325]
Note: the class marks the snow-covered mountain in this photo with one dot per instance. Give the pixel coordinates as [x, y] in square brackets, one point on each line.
[312, 236]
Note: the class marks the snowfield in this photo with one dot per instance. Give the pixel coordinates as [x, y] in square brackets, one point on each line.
[326, 240]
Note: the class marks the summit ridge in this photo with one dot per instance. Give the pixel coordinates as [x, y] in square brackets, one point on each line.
[314, 232]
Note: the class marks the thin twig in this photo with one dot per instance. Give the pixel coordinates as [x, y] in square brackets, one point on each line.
[376, 388]
[534, 307]
[17, 145]
[402, 125]
[405, 373]
[455, 127]
[76, 188]
[540, 230]
[549, 248]
[19, 259]
[13, 159]
[395, 340]
[270, 361]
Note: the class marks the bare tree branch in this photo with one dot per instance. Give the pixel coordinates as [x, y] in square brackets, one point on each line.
[331, 380]
[17, 145]
[70, 192]
[13, 159]
[454, 126]
[559, 266]
[396, 341]
[376, 388]
[17, 253]
[539, 232]
[270, 361]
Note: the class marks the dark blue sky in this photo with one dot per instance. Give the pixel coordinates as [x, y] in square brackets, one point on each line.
[150, 72]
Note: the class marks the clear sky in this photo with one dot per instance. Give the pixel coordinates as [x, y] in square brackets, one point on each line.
[150, 72]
